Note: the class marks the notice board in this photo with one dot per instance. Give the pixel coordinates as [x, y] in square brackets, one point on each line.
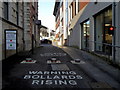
[11, 39]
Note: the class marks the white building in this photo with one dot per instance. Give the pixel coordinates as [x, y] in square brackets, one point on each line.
[44, 32]
[61, 24]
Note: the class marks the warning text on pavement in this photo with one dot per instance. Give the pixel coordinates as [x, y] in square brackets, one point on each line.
[53, 77]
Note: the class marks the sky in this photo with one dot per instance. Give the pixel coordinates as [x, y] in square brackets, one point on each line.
[45, 13]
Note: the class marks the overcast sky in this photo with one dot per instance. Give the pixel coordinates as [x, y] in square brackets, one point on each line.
[45, 13]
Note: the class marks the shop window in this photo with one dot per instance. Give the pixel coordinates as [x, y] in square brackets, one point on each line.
[85, 35]
[102, 37]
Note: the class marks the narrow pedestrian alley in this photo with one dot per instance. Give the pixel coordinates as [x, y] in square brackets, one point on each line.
[51, 67]
[59, 44]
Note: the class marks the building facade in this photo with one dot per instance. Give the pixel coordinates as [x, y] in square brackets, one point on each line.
[17, 16]
[60, 16]
[75, 10]
[89, 27]
[95, 33]
[44, 33]
[12, 19]
[67, 12]
[30, 28]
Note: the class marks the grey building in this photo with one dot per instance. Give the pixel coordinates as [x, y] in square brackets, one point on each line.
[21, 17]
[31, 30]
[11, 17]
[92, 30]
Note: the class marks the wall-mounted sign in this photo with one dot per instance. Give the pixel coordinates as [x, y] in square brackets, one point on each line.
[38, 22]
[11, 36]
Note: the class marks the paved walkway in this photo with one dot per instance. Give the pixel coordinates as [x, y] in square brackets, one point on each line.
[51, 68]
[96, 67]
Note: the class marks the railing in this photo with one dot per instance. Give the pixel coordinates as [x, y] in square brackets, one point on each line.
[109, 46]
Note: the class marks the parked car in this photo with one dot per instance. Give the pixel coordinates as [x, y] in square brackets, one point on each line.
[46, 41]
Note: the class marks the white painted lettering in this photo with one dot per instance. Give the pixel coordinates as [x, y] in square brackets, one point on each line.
[48, 77]
[46, 72]
[72, 82]
[35, 82]
[53, 77]
[42, 82]
[42, 77]
[56, 82]
[72, 72]
[56, 77]
[40, 72]
[71, 77]
[35, 77]
[53, 72]
[27, 76]
[48, 82]
[62, 82]
[33, 72]
[64, 77]
[59, 72]
[64, 72]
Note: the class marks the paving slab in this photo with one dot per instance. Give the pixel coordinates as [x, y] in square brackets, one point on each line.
[59, 67]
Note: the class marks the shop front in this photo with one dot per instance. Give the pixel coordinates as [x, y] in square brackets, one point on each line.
[103, 36]
[85, 34]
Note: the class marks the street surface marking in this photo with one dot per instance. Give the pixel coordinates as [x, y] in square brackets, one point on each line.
[59, 67]
[51, 62]
[53, 78]
[53, 54]
[28, 61]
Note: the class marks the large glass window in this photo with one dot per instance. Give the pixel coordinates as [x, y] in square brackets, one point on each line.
[102, 37]
[85, 35]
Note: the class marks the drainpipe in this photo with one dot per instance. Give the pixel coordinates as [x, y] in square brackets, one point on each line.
[114, 37]
[32, 43]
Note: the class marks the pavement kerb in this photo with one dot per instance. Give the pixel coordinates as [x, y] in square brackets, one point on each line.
[93, 71]
[102, 65]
